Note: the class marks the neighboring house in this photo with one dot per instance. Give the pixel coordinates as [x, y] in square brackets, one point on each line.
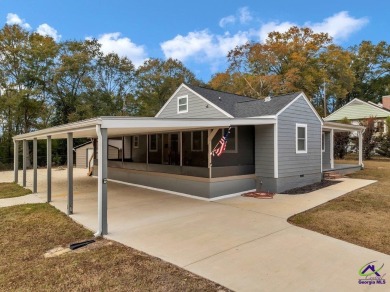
[357, 110]
[275, 144]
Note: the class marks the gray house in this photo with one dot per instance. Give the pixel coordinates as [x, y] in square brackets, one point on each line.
[274, 144]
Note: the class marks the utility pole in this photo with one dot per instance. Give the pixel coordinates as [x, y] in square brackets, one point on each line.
[324, 98]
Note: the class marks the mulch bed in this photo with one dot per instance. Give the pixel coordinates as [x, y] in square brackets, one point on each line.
[311, 188]
[259, 195]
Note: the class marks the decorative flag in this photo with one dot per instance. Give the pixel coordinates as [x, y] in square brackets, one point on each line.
[221, 146]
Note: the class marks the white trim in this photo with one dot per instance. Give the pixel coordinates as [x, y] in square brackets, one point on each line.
[178, 104]
[276, 151]
[331, 149]
[150, 143]
[178, 193]
[297, 125]
[358, 100]
[307, 101]
[136, 146]
[323, 146]
[201, 142]
[235, 140]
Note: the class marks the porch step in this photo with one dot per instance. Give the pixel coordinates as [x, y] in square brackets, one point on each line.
[332, 175]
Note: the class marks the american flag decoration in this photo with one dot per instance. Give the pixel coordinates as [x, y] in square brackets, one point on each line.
[221, 146]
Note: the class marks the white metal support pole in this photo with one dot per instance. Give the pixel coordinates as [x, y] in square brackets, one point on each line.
[102, 181]
[331, 150]
[361, 149]
[35, 166]
[181, 148]
[70, 172]
[16, 161]
[48, 169]
[25, 154]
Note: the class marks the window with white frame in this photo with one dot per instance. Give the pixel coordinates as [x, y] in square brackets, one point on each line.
[182, 104]
[232, 140]
[153, 143]
[197, 141]
[301, 138]
[135, 141]
[323, 142]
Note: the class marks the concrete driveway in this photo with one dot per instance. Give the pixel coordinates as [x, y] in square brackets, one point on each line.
[244, 244]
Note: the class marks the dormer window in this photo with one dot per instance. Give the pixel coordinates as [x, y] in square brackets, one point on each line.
[182, 104]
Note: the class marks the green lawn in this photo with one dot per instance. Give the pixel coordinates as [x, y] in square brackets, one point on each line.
[28, 231]
[361, 217]
[11, 190]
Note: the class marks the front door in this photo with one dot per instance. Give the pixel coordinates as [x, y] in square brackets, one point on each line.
[171, 153]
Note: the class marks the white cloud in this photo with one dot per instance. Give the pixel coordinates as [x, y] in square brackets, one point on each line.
[245, 15]
[123, 46]
[340, 25]
[202, 45]
[46, 30]
[268, 27]
[13, 18]
[227, 20]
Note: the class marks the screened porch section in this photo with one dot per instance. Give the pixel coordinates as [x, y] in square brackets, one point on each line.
[186, 153]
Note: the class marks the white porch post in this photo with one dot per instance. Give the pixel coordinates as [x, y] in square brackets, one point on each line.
[102, 181]
[361, 149]
[70, 172]
[181, 148]
[35, 165]
[48, 149]
[25, 154]
[331, 150]
[16, 161]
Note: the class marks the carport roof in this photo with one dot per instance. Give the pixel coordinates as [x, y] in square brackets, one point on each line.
[119, 126]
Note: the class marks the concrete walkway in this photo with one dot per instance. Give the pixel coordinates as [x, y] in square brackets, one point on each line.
[244, 244]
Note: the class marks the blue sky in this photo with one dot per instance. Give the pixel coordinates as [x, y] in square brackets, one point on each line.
[199, 33]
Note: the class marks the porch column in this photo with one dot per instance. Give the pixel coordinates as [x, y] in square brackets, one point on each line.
[16, 161]
[35, 166]
[48, 169]
[25, 162]
[70, 172]
[361, 149]
[331, 150]
[102, 181]
[181, 148]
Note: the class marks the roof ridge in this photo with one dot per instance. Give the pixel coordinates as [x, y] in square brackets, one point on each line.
[220, 91]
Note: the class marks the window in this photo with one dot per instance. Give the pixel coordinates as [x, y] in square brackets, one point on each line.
[153, 143]
[232, 141]
[135, 141]
[197, 141]
[301, 138]
[323, 142]
[380, 127]
[182, 104]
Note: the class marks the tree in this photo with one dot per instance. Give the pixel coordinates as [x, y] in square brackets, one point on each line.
[368, 137]
[296, 60]
[371, 67]
[341, 142]
[383, 141]
[157, 80]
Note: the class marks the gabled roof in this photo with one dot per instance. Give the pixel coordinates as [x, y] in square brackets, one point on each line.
[242, 106]
[357, 110]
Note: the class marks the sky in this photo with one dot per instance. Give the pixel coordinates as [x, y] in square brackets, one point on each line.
[199, 33]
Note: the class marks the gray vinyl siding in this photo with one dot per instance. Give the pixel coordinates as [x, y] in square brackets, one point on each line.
[326, 153]
[292, 164]
[197, 107]
[264, 154]
[139, 154]
[126, 147]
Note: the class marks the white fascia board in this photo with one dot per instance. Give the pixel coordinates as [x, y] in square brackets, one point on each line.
[307, 101]
[59, 130]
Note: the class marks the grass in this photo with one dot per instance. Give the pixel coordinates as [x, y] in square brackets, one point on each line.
[361, 217]
[28, 231]
[11, 190]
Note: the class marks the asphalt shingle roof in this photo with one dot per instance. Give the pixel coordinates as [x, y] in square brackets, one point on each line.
[242, 106]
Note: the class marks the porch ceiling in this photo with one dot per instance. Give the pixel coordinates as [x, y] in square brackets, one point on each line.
[121, 126]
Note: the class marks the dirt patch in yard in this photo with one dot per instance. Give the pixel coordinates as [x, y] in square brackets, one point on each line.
[361, 217]
[29, 231]
[311, 188]
[11, 190]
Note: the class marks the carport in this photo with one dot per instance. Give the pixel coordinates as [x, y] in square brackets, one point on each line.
[103, 128]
